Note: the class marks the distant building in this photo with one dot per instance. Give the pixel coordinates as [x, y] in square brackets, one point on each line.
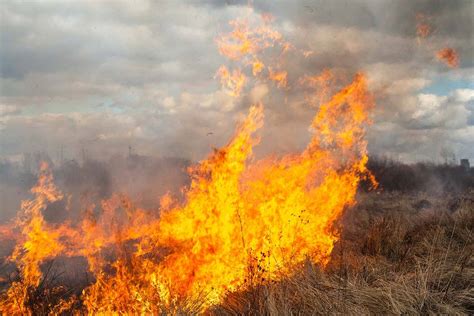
[465, 164]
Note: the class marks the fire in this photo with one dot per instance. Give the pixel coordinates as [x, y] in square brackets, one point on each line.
[280, 77]
[321, 85]
[38, 242]
[233, 82]
[245, 40]
[257, 67]
[246, 44]
[449, 56]
[243, 221]
[6, 232]
[423, 28]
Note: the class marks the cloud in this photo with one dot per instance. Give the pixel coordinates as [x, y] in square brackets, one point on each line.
[7, 110]
[428, 125]
[102, 76]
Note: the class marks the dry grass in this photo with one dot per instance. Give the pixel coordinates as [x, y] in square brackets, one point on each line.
[398, 259]
[398, 254]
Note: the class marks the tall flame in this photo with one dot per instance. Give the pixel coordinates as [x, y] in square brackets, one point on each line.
[38, 242]
[243, 222]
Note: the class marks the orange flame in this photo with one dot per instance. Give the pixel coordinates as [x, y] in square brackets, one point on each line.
[246, 44]
[233, 82]
[449, 56]
[7, 233]
[321, 84]
[246, 41]
[423, 28]
[280, 77]
[257, 67]
[38, 243]
[243, 222]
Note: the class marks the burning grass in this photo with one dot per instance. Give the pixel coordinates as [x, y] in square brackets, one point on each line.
[242, 223]
[251, 237]
[395, 255]
[391, 259]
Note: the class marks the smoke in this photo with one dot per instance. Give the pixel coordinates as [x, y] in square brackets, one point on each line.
[94, 78]
[142, 179]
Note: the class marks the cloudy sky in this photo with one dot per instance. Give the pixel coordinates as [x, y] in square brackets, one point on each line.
[98, 76]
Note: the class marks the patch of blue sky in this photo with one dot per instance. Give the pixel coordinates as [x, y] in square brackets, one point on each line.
[444, 86]
[89, 104]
